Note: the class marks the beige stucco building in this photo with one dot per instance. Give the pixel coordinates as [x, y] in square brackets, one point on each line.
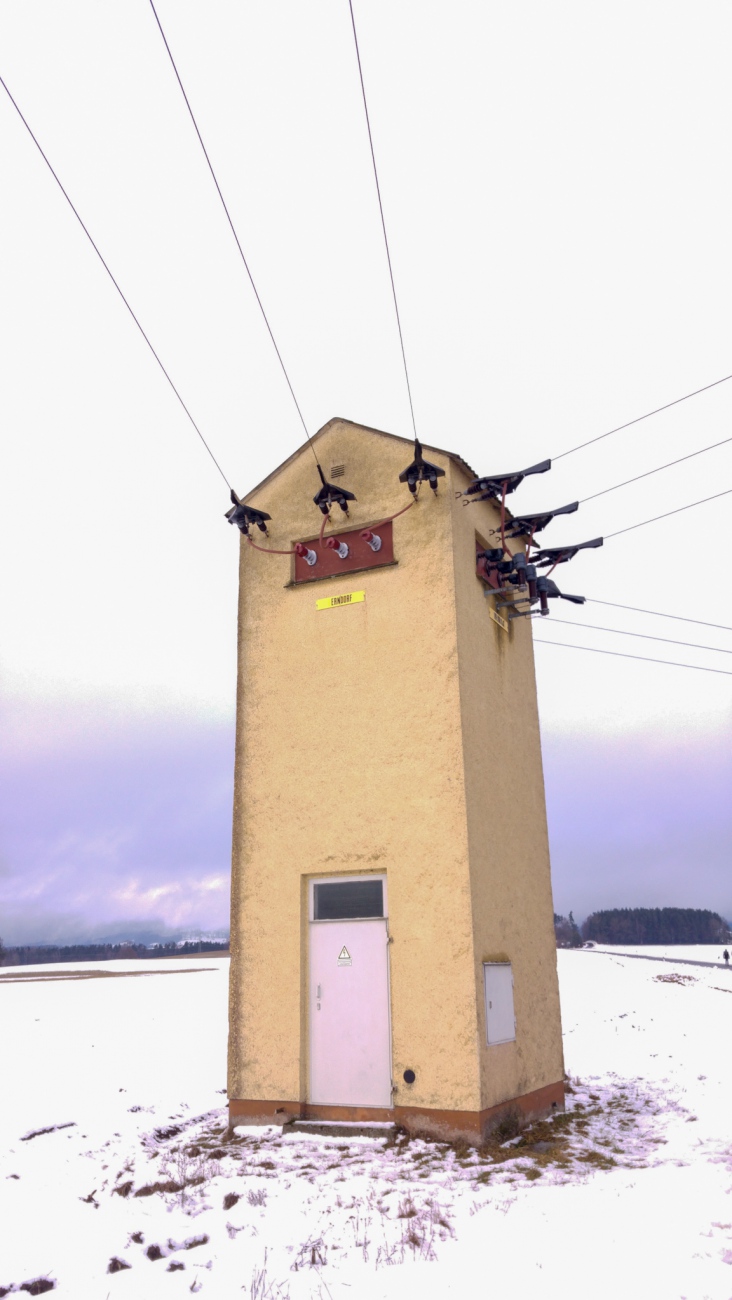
[389, 743]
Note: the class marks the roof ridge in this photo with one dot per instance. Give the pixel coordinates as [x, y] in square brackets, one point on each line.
[365, 428]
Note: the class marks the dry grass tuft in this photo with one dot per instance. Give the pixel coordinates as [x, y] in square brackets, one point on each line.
[599, 1159]
[461, 1148]
[161, 1134]
[116, 1265]
[312, 1254]
[508, 1126]
[407, 1209]
[168, 1186]
[36, 1133]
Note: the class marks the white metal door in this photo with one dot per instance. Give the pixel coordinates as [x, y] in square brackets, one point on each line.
[350, 1040]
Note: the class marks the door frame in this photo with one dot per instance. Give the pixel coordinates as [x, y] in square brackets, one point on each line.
[338, 879]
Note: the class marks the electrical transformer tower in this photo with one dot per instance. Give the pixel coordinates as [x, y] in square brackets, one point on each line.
[392, 939]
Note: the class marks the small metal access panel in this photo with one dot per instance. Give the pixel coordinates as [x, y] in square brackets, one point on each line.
[500, 1019]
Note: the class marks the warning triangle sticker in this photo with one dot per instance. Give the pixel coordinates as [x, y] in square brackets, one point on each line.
[344, 954]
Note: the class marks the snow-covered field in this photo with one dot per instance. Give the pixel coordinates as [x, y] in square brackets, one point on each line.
[117, 1178]
[706, 952]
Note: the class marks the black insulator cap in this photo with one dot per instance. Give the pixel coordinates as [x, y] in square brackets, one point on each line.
[409, 1076]
[329, 495]
[420, 471]
[243, 516]
[501, 484]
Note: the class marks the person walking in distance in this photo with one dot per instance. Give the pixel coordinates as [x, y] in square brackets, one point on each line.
[725, 954]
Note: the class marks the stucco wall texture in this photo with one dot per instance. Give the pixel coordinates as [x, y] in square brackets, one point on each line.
[397, 736]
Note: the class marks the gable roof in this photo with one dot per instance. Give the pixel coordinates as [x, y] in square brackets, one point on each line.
[408, 442]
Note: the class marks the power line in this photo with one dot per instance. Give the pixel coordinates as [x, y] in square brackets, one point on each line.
[383, 221]
[647, 416]
[678, 511]
[657, 470]
[591, 600]
[111, 276]
[690, 645]
[618, 654]
[233, 228]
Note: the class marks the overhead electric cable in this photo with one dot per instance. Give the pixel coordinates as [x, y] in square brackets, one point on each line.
[644, 636]
[591, 600]
[647, 416]
[657, 470]
[678, 511]
[381, 211]
[233, 228]
[111, 276]
[618, 654]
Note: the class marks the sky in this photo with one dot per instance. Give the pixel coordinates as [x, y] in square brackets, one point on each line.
[558, 212]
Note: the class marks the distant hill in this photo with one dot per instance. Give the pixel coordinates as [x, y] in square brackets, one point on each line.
[656, 925]
[44, 954]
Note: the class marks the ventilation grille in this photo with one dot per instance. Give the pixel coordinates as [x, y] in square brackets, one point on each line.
[337, 471]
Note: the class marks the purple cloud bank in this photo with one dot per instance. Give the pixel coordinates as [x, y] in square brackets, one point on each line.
[119, 830]
[119, 827]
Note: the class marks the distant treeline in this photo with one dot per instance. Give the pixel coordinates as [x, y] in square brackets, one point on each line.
[38, 955]
[656, 925]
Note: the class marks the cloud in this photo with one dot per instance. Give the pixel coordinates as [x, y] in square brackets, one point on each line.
[133, 894]
[121, 826]
[214, 885]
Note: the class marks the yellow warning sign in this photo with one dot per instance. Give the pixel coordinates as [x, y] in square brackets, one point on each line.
[333, 602]
[502, 622]
[344, 957]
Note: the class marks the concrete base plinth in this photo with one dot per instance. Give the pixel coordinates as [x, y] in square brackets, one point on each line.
[340, 1128]
[444, 1125]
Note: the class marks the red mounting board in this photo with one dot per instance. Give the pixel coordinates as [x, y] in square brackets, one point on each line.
[360, 554]
[490, 579]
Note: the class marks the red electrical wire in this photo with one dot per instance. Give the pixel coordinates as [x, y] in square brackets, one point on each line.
[381, 523]
[396, 516]
[270, 550]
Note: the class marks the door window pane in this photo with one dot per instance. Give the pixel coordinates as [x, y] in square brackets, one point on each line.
[348, 899]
